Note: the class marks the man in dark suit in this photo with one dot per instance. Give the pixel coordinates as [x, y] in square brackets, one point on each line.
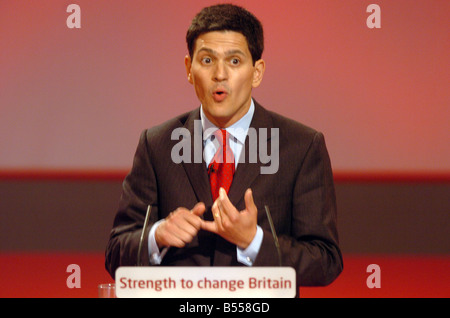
[197, 219]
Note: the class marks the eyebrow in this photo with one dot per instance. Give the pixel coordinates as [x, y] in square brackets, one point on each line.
[227, 53]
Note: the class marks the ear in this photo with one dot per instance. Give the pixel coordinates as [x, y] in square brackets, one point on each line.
[258, 72]
[188, 64]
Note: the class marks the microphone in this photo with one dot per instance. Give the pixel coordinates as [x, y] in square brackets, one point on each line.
[274, 234]
[144, 229]
[211, 168]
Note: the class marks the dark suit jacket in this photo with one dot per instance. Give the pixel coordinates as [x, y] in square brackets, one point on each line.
[300, 196]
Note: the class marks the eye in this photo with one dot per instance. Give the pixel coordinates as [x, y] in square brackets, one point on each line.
[235, 61]
[206, 60]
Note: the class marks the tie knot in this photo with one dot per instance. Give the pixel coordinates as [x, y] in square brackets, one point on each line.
[224, 153]
[222, 136]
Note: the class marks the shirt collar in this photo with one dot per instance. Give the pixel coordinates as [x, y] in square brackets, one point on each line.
[238, 130]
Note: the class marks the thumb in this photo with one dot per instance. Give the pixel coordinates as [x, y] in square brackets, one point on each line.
[199, 209]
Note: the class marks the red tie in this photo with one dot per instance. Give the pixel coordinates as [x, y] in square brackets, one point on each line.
[221, 168]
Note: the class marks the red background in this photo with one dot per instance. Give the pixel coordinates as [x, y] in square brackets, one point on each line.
[77, 99]
[73, 102]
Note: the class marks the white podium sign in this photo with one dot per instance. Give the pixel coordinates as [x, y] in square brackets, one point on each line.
[205, 282]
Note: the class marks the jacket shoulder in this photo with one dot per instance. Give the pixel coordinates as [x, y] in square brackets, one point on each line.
[285, 124]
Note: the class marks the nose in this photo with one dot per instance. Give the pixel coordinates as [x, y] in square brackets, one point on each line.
[220, 72]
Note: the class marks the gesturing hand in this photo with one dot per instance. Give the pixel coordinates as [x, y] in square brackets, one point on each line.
[180, 227]
[236, 227]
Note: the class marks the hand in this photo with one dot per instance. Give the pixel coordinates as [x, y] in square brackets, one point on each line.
[180, 227]
[236, 227]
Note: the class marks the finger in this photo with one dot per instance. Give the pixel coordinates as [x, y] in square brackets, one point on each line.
[216, 211]
[183, 217]
[224, 219]
[249, 203]
[227, 209]
[166, 235]
[181, 230]
[183, 224]
[210, 226]
[199, 209]
[217, 215]
[175, 242]
[188, 230]
[194, 216]
[225, 201]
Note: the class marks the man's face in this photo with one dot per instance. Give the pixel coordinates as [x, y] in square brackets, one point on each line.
[223, 75]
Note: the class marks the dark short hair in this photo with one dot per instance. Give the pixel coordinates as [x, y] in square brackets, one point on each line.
[228, 17]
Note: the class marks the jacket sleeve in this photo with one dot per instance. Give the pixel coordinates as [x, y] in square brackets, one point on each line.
[139, 190]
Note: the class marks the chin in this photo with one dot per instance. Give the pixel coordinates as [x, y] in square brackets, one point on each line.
[219, 110]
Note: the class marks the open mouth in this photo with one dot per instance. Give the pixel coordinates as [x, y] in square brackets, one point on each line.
[219, 95]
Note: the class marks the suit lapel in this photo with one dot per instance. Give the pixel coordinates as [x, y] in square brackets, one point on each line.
[247, 171]
[196, 170]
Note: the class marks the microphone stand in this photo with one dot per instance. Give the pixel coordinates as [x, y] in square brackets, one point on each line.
[144, 229]
[275, 237]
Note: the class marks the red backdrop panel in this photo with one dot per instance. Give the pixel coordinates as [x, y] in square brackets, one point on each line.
[78, 98]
